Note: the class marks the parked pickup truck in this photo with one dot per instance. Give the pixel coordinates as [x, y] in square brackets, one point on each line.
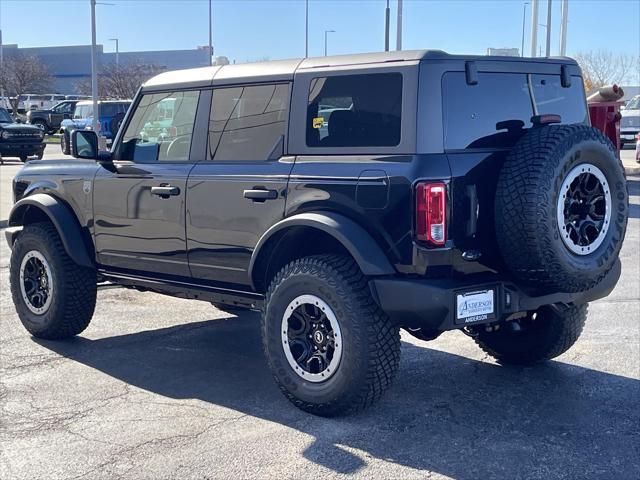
[50, 120]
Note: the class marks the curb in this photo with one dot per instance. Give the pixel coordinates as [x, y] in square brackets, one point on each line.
[632, 170]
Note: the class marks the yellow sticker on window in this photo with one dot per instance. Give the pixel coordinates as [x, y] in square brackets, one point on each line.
[318, 122]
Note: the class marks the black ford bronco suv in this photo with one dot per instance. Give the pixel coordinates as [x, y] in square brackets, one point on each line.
[346, 197]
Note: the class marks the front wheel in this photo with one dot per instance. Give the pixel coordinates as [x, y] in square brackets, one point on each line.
[540, 336]
[64, 144]
[54, 297]
[329, 346]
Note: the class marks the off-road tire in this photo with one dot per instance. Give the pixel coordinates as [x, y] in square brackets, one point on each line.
[42, 124]
[74, 291]
[371, 344]
[64, 144]
[551, 334]
[527, 193]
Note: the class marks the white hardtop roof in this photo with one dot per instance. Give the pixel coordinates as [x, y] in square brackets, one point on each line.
[283, 70]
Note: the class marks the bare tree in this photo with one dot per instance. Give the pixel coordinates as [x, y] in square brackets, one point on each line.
[118, 82]
[603, 67]
[21, 74]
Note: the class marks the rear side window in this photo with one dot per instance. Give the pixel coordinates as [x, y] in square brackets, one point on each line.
[354, 111]
[248, 123]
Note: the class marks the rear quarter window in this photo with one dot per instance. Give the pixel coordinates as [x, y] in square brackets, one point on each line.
[361, 110]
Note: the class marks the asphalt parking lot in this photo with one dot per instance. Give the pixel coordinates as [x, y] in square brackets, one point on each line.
[159, 387]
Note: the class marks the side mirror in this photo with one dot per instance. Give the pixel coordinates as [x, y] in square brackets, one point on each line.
[84, 144]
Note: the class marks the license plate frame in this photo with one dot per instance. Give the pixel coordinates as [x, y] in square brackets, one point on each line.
[475, 306]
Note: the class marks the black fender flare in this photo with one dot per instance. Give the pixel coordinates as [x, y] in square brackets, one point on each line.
[62, 217]
[357, 241]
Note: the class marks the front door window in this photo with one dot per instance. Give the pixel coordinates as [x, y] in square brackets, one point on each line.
[160, 129]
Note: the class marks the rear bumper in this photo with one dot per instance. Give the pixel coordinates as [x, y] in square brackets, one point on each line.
[431, 304]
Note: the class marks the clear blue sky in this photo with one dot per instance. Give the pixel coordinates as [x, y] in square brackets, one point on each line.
[254, 29]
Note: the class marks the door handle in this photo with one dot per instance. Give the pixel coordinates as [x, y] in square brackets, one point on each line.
[260, 195]
[165, 191]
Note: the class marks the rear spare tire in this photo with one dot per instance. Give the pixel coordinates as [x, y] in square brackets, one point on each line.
[561, 207]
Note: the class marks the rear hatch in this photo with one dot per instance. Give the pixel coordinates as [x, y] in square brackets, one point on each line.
[486, 109]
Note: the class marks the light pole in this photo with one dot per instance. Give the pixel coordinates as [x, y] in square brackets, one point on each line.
[387, 14]
[117, 51]
[399, 27]
[1, 58]
[325, 40]
[563, 27]
[524, 16]
[94, 65]
[534, 27]
[210, 37]
[306, 29]
[94, 68]
[548, 47]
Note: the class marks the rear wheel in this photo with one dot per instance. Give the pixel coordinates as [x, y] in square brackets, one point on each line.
[54, 297]
[329, 346]
[539, 337]
[41, 124]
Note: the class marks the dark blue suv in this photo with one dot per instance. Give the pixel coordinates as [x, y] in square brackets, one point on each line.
[112, 113]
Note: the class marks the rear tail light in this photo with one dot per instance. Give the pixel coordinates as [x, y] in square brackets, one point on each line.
[431, 219]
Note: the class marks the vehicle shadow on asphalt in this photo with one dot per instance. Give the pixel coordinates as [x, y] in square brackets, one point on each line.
[446, 413]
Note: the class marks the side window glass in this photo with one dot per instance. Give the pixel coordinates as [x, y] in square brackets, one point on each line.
[108, 110]
[66, 108]
[161, 128]
[355, 111]
[248, 123]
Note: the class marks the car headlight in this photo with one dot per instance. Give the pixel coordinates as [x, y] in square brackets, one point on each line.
[5, 135]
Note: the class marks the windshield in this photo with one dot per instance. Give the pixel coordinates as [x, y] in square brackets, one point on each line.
[4, 116]
[83, 111]
[634, 103]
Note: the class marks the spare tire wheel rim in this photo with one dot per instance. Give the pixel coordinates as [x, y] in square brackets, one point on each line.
[311, 338]
[584, 209]
[36, 282]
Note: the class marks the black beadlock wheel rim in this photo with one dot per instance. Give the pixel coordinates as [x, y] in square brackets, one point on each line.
[36, 282]
[311, 338]
[584, 209]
